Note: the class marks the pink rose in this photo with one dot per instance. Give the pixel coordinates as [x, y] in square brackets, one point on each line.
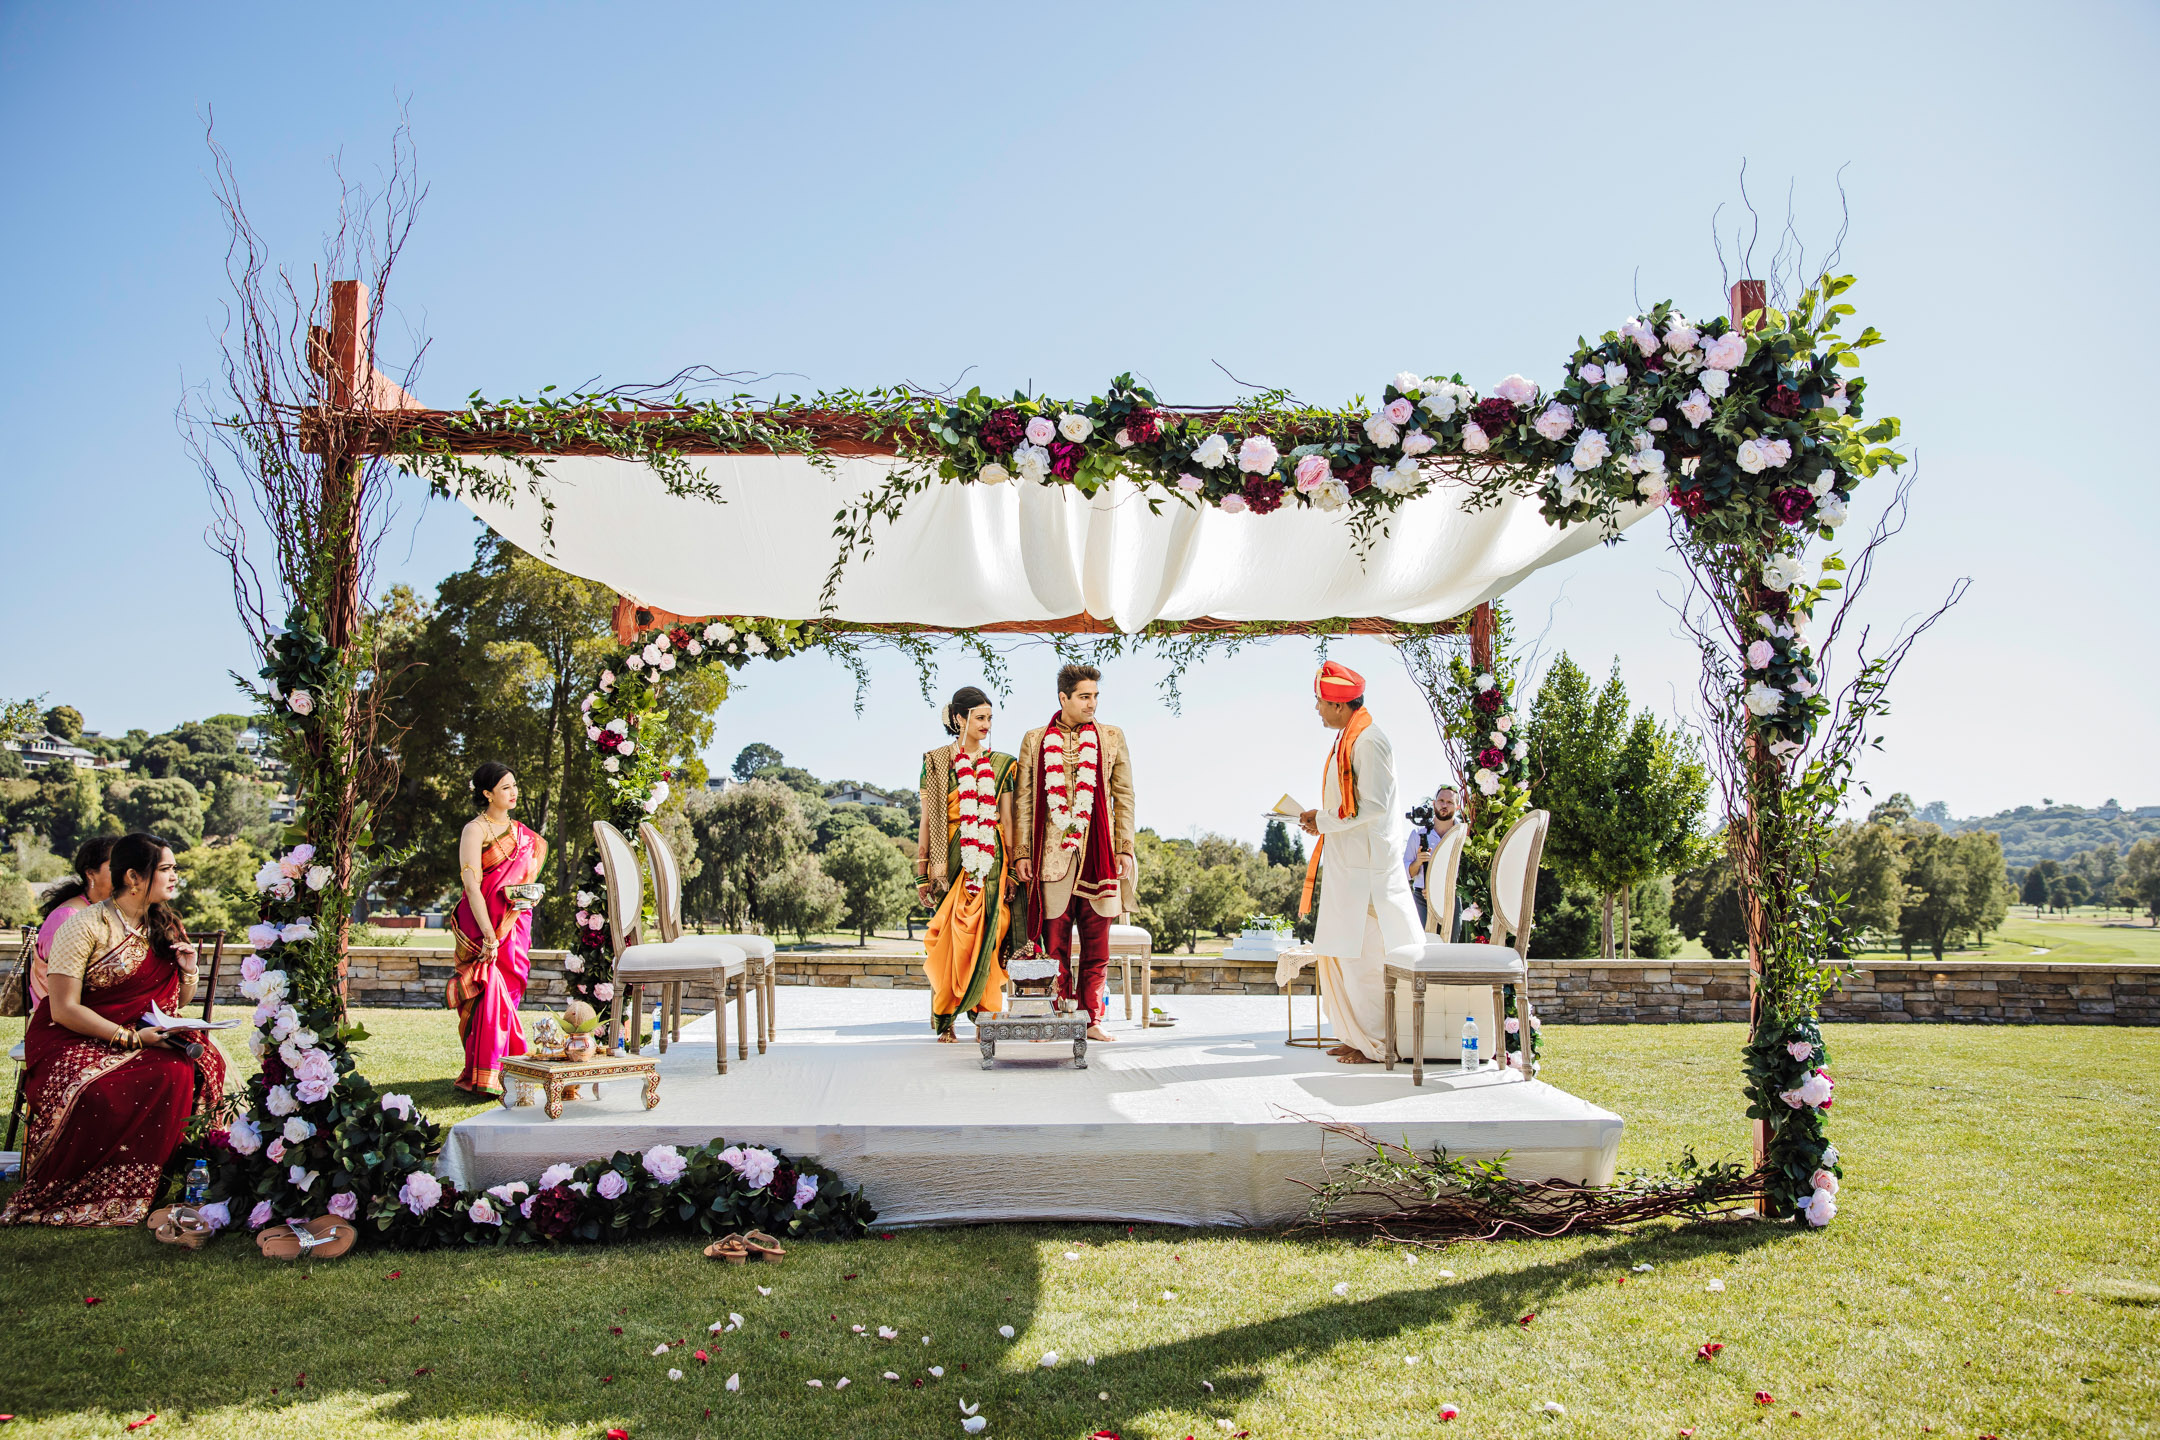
[1040, 431]
[1190, 483]
[261, 1215]
[1798, 1049]
[1592, 374]
[1824, 1180]
[1759, 656]
[1310, 472]
[603, 991]
[302, 703]
[345, 1204]
[612, 1185]
[276, 1150]
[1474, 439]
[1726, 352]
[1257, 456]
[1554, 421]
[1515, 390]
[1234, 504]
[1399, 411]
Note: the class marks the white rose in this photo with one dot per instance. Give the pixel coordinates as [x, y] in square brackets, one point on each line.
[1485, 682]
[1777, 453]
[635, 662]
[1680, 336]
[1381, 431]
[1212, 452]
[1487, 782]
[1402, 479]
[1440, 400]
[993, 474]
[1715, 383]
[1257, 456]
[1781, 572]
[611, 765]
[1571, 488]
[628, 747]
[1417, 442]
[318, 876]
[1124, 439]
[1034, 462]
[1408, 382]
[667, 662]
[1823, 484]
[1696, 409]
[1331, 494]
[1764, 699]
[1554, 421]
[1830, 511]
[1642, 333]
[1616, 376]
[1474, 439]
[1075, 428]
[652, 654]
[1653, 490]
[1750, 457]
[1591, 450]
[755, 644]
[1591, 374]
[695, 647]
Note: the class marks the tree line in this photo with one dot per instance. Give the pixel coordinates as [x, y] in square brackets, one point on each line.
[2099, 876]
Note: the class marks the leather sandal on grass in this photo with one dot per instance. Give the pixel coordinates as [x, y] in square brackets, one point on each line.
[762, 1245]
[324, 1238]
[180, 1225]
[729, 1248]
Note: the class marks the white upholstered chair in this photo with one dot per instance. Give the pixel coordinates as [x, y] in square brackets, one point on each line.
[758, 950]
[1127, 944]
[696, 960]
[1514, 898]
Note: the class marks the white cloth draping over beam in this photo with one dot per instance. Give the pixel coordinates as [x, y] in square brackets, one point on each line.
[964, 555]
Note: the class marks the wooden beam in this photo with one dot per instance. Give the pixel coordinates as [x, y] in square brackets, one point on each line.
[632, 619]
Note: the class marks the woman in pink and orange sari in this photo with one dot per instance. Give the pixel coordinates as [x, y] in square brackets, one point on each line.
[494, 934]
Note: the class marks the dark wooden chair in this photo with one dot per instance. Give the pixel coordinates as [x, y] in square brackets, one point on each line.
[24, 951]
[210, 943]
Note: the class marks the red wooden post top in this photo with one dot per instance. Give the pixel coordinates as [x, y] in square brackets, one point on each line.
[1747, 295]
[1481, 625]
[348, 342]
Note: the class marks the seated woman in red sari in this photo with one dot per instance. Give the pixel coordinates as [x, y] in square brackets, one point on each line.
[109, 1097]
[493, 930]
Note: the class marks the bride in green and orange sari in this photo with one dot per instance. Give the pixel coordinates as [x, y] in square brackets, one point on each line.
[967, 819]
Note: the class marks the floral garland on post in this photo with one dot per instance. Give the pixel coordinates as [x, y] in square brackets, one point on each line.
[625, 723]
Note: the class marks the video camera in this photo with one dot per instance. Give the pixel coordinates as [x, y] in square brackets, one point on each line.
[1420, 816]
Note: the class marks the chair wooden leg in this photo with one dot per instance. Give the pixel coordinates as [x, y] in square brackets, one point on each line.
[15, 1111]
[719, 1020]
[1417, 1030]
[742, 1013]
[1147, 991]
[614, 1030]
[772, 997]
[1524, 1019]
[760, 1017]
[1125, 982]
[1388, 1008]
[637, 1014]
[1499, 1029]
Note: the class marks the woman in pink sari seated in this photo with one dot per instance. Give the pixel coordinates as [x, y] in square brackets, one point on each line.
[494, 934]
[92, 882]
[110, 1097]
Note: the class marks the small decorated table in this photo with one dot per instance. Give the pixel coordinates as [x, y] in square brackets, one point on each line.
[1032, 1020]
[523, 1075]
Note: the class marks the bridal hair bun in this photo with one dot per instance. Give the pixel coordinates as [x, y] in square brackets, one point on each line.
[965, 699]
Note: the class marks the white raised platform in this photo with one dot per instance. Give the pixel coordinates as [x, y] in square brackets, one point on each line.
[1195, 1125]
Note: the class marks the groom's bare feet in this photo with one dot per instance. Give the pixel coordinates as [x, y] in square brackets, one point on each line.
[1098, 1034]
[1338, 1051]
[1354, 1057]
[948, 1038]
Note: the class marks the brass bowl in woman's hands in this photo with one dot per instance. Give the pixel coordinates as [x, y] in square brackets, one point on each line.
[524, 897]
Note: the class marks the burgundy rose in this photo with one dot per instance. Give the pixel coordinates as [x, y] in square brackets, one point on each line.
[1494, 415]
[1655, 362]
[1792, 504]
[1264, 493]
[608, 740]
[1142, 427]
[1002, 431]
[1492, 757]
[1691, 503]
[218, 1139]
[679, 636]
[555, 1211]
[783, 1184]
[1065, 458]
[273, 1068]
[1783, 401]
[1358, 477]
[1488, 701]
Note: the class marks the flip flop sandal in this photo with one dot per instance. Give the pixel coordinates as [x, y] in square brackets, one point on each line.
[763, 1245]
[180, 1225]
[729, 1248]
[324, 1238]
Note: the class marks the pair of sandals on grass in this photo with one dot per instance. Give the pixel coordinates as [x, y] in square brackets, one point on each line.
[324, 1238]
[750, 1245]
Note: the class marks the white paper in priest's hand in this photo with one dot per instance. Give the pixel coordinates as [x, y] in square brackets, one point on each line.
[157, 1019]
[1286, 809]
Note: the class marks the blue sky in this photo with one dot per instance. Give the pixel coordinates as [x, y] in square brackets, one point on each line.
[1313, 197]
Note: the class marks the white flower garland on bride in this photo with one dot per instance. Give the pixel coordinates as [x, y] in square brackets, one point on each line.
[1069, 814]
[976, 788]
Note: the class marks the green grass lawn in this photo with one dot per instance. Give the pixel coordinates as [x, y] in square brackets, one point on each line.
[2088, 935]
[1992, 1270]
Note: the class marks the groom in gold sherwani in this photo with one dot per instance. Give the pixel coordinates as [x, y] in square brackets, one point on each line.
[1075, 851]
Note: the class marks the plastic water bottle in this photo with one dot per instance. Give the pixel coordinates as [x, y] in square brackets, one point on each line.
[1469, 1044]
[197, 1190]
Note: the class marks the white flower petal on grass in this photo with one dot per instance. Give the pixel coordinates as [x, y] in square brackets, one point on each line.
[734, 1382]
[1049, 1360]
[937, 1372]
[1715, 1285]
[674, 1374]
[764, 1289]
[660, 1349]
[843, 1383]
[1208, 1385]
[1553, 1407]
[1091, 1359]
[1072, 1254]
[1342, 1288]
[1169, 1294]
[1006, 1331]
[967, 1409]
[889, 1375]
[926, 1339]
[1409, 1259]
[1102, 1394]
[716, 1328]
[1409, 1359]
[886, 1332]
[1643, 1269]
[857, 1329]
[815, 1384]
[974, 1424]
[1447, 1274]
[1226, 1426]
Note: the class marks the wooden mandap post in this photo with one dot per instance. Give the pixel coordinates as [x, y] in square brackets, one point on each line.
[349, 376]
[1747, 297]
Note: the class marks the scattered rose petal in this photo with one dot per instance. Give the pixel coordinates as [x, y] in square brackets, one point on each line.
[1006, 1331]
[734, 1321]
[974, 1424]
[1447, 1274]
[430, 1370]
[1410, 1359]
[734, 1382]
[888, 1375]
[857, 1329]
[702, 1358]
[1643, 1269]
[1208, 1385]
[660, 1349]
[1049, 1360]
[92, 1300]
[1527, 1318]
[618, 1434]
[885, 1332]
[1409, 1259]
[1764, 1397]
[617, 1329]
[815, 1384]
[718, 1327]
[1715, 1285]
[1072, 1254]
[1226, 1426]
[937, 1372]
[1342, 1287]
[1091, 1359]
[395, 1275]
[1101, 1395]
[674, 1374]
[764, 1289]
[967, 1409]
[1450, 1411]
[1169, 1294]
[1553, 1407]
[138, 1424]
[783, 1334]
[844, 1382]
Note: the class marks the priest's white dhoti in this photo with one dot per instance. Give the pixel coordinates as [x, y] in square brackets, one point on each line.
[1366, 914]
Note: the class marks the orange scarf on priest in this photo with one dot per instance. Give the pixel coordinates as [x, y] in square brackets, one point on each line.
[1339, 683]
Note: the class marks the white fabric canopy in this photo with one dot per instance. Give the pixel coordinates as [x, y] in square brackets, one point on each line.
[965, 555]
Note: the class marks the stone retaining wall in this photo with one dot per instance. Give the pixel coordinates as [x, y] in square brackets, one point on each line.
[1566, 992]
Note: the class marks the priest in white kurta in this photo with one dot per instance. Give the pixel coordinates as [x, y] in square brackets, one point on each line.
[1367, 916]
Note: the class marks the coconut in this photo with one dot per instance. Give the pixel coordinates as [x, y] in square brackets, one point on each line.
[579, 1019]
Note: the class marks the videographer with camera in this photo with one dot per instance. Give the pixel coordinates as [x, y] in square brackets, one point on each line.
[1429, 825]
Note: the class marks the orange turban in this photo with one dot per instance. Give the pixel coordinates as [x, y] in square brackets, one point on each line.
[1339, 683]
